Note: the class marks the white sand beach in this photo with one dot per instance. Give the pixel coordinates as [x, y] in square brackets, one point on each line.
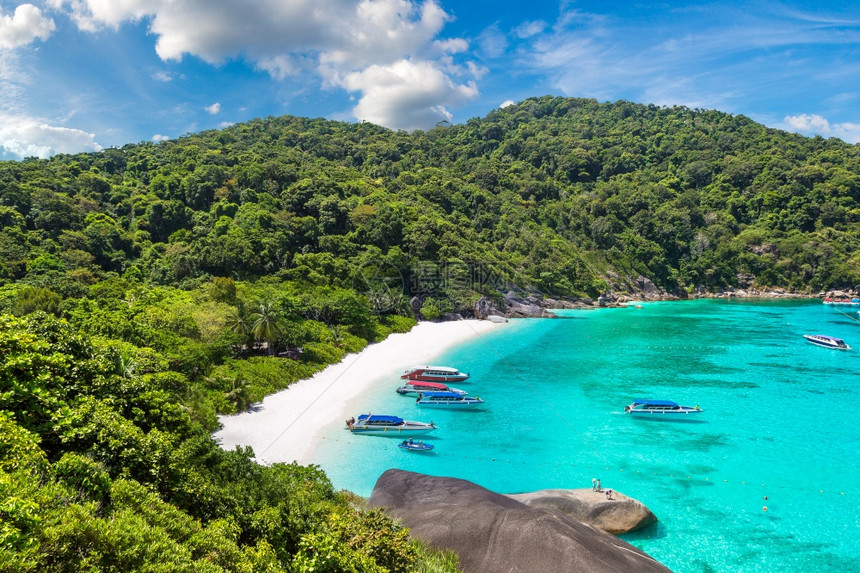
[286, 426]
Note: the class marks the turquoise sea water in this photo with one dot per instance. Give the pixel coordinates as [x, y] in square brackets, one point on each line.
[781, 421]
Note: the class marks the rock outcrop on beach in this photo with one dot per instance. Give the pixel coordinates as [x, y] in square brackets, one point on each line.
[492, 532]
[619, 515]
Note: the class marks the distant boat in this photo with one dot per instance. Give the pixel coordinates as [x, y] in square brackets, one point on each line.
[827, 341]
[434, 374]
[387, 425]
[411, 446]
[843, 301]
[657, 408]
[415, 387]
[447, 400]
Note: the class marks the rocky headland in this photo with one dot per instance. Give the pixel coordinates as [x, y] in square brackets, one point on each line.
[618, 515]
[522, 303]
[491, 532]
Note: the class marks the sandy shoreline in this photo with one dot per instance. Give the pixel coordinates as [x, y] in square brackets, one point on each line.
[287, 425]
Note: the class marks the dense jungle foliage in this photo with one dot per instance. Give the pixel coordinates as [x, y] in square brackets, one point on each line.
[145, 289]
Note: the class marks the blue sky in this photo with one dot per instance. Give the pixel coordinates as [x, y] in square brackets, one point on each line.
[83, 75]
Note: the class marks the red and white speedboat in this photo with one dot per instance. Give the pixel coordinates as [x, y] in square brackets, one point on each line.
[415, 387]
[435, 374]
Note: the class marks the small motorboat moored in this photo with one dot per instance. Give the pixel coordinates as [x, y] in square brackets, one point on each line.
[415, 387]
[645, 407]
[412, 446]
[435, 374]
[827, 341]
[447, 400]
[387, 425]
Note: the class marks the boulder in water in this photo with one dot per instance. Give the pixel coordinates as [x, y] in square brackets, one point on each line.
[619, 515]
[492, 532]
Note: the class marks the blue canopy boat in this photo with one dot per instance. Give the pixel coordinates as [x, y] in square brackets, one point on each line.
[827, 341]
[447, 400]
[387, 425]
[411, 446]
[645, 407]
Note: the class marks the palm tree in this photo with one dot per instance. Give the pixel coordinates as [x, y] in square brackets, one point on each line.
[266, 326]
[337, 336]
[238, 394]
[241, 322]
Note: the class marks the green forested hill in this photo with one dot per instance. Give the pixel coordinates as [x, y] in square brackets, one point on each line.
[158, 284]
[550, 193]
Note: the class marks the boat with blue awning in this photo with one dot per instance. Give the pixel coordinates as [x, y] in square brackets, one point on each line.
[447, 400]
[387, 425]
[646, 407]
[827, 341]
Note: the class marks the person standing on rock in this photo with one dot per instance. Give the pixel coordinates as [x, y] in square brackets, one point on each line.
[598, 485]
[593, 484]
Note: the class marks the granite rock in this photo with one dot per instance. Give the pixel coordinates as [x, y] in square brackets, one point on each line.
[492, 532]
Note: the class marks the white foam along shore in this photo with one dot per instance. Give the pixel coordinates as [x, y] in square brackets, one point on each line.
[287, 425]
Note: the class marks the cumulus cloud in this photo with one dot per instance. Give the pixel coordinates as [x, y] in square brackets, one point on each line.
[284, 38]
[406, 94]
[506, 103]
[214, 109]
[28, 137]
[24, 26]
[158, 137]
[813, 124]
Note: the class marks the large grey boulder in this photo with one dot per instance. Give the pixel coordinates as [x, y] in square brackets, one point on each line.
[618, 515]
[485, 308]
[492, 532]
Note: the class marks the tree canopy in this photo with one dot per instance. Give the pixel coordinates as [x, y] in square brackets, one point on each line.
[145, 289]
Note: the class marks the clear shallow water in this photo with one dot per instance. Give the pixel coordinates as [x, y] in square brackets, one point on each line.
[781, 421]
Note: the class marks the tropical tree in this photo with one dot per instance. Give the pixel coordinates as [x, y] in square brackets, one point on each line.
[266, 326]
[241, 322]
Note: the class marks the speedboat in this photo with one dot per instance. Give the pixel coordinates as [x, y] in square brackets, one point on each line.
[387, 425]
[448, 400]
[411, 446]
[843, 301]
[434, 374]
[644, 407]
[827, 341]
[416, 387]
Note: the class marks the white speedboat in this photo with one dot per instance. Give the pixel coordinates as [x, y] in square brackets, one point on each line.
[657, 408]
[387, 425]
[415, 387]
[447, 400]
[434, 374]
[827, 341]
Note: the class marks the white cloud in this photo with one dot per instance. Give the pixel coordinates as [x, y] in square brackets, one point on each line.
[158, 137]
[452, 46]
[804, 122]
[493, 42]
[529, 29]
[224, 124]
[817, 125]
[214, 109]
[28, 137]
[162, 76]
[284, 38]
[506, 103]
[24, 26]
[406, 95]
